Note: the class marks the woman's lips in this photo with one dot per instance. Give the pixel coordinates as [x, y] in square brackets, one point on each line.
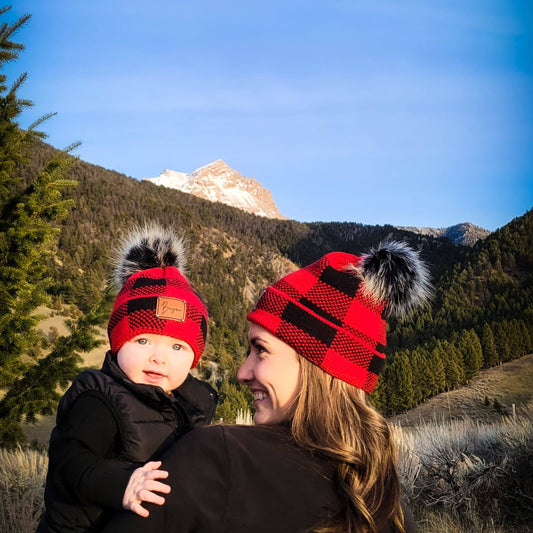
[259, 395]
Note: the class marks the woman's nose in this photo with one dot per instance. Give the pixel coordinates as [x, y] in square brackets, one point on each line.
[245, 373]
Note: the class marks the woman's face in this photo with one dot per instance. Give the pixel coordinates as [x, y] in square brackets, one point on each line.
[272, 372]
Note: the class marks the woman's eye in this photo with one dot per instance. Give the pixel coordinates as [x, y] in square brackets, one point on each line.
[256, 349]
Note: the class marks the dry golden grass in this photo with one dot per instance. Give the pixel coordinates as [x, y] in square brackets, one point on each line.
[22, 478]
[458, 477]
[466, 476]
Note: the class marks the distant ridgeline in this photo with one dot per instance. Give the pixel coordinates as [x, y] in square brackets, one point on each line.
[481, 313]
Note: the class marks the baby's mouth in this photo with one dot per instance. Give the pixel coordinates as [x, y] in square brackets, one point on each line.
[153, 375]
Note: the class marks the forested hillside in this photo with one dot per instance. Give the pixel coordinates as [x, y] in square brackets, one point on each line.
[107, 203]
[480, 315]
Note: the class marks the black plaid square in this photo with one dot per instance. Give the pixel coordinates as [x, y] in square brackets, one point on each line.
[309, 324]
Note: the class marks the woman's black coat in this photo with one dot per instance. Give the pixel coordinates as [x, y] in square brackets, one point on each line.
[240, 479]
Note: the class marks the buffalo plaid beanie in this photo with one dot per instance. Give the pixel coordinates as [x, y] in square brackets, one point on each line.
[332, 311]
[155, 297]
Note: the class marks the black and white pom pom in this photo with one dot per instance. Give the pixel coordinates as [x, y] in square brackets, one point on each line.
[150, 246]
[393, 272]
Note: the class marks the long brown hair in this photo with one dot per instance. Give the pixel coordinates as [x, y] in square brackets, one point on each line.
[336, 420]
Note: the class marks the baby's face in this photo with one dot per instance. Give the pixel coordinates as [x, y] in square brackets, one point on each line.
[156, 360]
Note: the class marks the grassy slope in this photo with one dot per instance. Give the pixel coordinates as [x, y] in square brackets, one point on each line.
[509, 383]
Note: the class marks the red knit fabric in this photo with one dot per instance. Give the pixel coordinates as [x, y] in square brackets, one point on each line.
[160, 301]
[322, 312]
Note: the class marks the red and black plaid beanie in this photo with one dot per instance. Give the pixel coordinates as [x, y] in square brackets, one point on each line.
[331, 312]
[155, 296]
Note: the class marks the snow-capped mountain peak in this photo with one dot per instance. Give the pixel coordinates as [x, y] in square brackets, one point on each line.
[178, 179]
[218, 182]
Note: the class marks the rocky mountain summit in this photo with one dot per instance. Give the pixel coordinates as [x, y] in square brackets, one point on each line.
[466, 233]
[218, 182]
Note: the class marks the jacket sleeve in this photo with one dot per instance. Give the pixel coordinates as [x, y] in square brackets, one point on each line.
[199, 479]
[199, 400]
[81, 456]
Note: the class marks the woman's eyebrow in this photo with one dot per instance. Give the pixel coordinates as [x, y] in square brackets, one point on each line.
[256, 339]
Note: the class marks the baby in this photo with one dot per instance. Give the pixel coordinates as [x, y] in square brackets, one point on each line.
[111, 423]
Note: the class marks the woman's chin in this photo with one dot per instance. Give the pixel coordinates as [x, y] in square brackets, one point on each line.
[268, 418]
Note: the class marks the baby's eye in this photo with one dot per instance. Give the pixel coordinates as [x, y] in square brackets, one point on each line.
[177, 347]
[142, 340]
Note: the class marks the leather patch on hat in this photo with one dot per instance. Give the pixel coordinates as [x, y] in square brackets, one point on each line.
[171, 308]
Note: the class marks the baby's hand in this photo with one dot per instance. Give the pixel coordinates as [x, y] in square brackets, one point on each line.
[141, 485]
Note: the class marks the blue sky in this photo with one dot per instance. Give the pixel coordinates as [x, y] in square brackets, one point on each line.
[414, 113]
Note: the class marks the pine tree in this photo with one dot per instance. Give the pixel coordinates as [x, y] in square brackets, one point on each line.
[14, 142]
[490, 355]
[517, 347]
[400, 392]
[232, 400]
[27, 240]
[418, 374]
[524, 336]
[453, 365]
[438, 370]
[426, 384]
[378, 396]
[502, 340]
[35, 392]
[25, 245]
[470, 348]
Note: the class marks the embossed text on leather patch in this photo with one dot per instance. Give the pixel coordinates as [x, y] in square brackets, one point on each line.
[171, 308]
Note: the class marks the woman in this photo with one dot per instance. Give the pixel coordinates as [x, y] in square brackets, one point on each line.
[319, 458]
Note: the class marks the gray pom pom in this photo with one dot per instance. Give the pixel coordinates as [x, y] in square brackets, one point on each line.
[393, 272]
[150, 246]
